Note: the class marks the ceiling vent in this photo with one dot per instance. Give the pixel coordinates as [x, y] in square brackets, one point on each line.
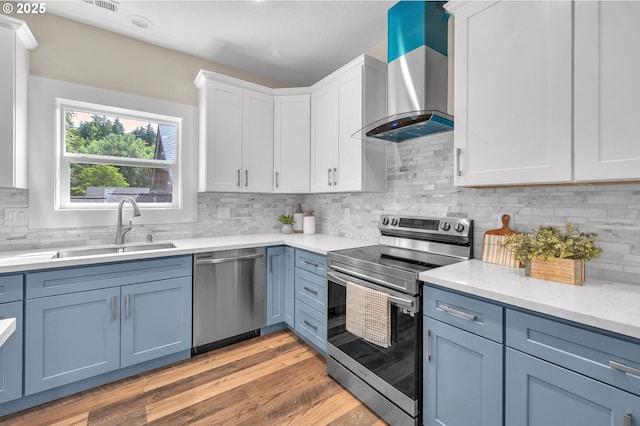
[105, 4]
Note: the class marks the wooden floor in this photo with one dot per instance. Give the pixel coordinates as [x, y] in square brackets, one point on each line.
[270, 380]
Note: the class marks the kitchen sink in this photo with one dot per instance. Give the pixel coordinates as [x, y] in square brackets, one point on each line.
[112, 249]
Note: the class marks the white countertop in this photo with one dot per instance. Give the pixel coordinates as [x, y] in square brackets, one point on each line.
[607, 305]
[7, 327]
[42, 259]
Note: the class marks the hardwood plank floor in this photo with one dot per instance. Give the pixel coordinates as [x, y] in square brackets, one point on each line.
[275, 379]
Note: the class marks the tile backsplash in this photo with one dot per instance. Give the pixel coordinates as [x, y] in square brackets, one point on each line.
[420, 182]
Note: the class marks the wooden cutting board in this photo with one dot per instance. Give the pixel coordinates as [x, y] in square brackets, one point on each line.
[493, 251]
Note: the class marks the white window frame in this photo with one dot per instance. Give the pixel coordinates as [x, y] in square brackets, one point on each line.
[65, 159]
[43, 164]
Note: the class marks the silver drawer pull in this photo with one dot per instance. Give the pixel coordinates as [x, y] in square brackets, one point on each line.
[113, 308]
[427, 354]
[315, 327]
[627, 419]
[622, 367]
[310, 290]
[458, 313]
[315, 265]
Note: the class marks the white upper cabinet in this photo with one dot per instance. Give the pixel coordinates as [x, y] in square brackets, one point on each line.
[607, 90]
[341, 104]
[512, 92]
[546, 92]
[236, 135]
[292, 133]
[16, 41]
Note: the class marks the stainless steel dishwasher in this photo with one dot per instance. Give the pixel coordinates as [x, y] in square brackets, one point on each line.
[228, 297]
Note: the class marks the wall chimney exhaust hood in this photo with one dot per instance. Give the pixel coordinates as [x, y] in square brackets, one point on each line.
[417, 73]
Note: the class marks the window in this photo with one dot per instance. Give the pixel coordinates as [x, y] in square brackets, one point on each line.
[75, 183]
[106, 153]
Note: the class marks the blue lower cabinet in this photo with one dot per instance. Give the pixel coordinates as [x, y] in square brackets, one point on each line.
[311, 325]
[538, 393]
[71, 337]
[275, 285]
[11, 355]
[155, 320]
[462, 377]
[289, 286]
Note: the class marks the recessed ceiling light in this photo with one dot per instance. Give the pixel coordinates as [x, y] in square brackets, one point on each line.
[140, 21]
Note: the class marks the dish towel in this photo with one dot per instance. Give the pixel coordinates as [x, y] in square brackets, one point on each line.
[369, 314]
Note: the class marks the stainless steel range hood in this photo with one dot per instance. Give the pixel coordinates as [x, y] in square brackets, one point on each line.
[417, 73]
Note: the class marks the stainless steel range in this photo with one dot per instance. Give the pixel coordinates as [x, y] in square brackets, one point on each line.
[374, 346]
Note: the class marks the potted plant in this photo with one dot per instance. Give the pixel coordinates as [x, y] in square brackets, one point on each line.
[287, 223]
[551, 253]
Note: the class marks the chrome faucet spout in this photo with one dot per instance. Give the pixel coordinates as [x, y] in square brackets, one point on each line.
[122, 230]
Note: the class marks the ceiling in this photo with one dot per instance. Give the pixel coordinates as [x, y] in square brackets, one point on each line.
[295, 43]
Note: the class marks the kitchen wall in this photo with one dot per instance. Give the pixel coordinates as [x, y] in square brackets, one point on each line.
[420, 176]
[218, 214]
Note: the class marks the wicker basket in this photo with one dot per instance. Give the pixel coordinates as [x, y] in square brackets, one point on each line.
[568, 271]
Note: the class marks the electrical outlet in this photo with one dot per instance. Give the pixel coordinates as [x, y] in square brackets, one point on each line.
[16, 216]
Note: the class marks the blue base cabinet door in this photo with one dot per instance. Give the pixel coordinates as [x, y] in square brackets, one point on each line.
[11, 355]
[156, 319]
[275, 285]
[539, 393]
[71, 337]
[289, 286]
[462, 377]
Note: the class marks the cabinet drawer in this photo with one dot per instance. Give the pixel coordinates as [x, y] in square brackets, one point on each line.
[71, 280]
[312, 262]
[311, 325]
[476, 316]
[583, 351]
[11, 288]
[311, 289]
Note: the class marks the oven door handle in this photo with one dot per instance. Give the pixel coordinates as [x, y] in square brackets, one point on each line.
[405, 303]
[365, 277]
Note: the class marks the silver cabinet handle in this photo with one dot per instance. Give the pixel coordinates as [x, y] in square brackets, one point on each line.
[458, 153]
[246, 178]
[238, 181]
[276, 179]
[315, 327]
[113, 308]
[315, 265]
[310, 290]
[335, 177]
[226, 259]
[627, 419]
[625, 368]
[128, 306]
[270, 264]
[458, 313]
[329, 177]
[427, 353]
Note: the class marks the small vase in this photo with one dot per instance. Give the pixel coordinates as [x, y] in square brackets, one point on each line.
[287, 228]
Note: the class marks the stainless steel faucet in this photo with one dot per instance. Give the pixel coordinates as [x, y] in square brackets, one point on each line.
[122, 230]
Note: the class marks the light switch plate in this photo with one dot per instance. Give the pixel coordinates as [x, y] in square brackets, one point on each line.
[16, 216]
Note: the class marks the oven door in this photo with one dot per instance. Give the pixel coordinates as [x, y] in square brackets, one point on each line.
[394, 372]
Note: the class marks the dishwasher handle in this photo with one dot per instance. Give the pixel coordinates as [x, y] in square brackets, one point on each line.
[209, 261]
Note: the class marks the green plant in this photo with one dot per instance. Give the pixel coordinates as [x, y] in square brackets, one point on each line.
[550, 242]
[286, 220]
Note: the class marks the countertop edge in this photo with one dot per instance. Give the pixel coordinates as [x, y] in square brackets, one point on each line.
[604, 305]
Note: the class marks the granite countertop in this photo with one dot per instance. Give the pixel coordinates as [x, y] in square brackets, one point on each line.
[7, 327]
[603, 304]
[42, 259]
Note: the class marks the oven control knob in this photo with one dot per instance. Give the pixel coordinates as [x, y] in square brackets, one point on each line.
[394, 222]
[385, 221]
[459, 227]
[446, 226]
